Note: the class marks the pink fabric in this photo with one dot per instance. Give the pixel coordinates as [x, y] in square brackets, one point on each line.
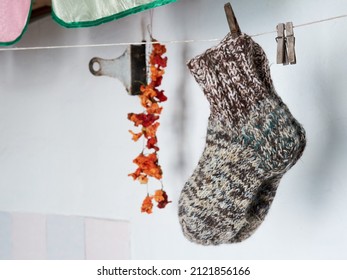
[13, 18]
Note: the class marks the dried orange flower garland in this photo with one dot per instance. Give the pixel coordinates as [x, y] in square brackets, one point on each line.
[150, 97]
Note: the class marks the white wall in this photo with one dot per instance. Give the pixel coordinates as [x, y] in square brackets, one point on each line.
[65, 149]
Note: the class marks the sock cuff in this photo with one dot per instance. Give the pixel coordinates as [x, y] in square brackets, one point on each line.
[234, 76]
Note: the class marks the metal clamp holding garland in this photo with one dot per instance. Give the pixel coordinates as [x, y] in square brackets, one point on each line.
[147, 161]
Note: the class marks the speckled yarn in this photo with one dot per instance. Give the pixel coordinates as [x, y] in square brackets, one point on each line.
[252, 141]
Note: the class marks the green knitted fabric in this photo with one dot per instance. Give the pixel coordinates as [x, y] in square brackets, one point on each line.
[252, 141]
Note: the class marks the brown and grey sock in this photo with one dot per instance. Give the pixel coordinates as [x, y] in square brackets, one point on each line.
[252, 140]
[258, 208]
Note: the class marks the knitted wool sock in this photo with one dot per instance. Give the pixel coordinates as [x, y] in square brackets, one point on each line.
[267, 191]
[258, 209]
[252, 140]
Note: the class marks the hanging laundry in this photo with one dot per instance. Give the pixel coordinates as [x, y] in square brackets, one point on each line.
[14, 18]
[87, 13]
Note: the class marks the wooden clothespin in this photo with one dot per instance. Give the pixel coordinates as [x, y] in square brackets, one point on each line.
[232, 21]
[285, 44]
[281, 49]
[290, 43]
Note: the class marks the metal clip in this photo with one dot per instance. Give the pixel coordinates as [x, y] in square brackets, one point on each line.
[129, 68]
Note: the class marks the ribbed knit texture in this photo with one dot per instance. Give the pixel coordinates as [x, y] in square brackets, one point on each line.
[252, 141]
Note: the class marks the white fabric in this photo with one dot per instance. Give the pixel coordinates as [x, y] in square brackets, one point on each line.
[91, 10]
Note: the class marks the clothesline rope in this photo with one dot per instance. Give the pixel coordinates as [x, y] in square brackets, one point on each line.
[163, 42]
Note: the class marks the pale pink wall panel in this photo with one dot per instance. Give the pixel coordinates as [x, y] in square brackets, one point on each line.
[107, 239]
[65, 238]
[28, 236]
[5, 236]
